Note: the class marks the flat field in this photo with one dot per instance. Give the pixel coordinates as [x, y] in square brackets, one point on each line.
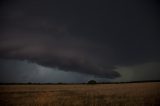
[129, 94]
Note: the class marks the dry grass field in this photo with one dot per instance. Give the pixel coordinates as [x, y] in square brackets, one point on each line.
[131, 94]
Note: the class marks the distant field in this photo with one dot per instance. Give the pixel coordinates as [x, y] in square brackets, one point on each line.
[131, 94]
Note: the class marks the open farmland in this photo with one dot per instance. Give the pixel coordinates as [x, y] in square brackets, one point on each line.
[129, 94]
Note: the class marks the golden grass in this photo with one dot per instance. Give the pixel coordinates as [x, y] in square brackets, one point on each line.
[133, 94]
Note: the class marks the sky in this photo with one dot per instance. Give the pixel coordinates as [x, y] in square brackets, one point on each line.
[76, 41]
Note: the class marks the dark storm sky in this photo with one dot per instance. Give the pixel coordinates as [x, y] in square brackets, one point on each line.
[113, 39]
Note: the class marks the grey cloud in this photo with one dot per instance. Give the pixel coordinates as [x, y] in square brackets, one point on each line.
[145, 71]
[63, 53]
[92, 40]
[25, 71]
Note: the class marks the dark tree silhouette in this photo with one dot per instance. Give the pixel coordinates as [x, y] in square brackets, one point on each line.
[92, 82]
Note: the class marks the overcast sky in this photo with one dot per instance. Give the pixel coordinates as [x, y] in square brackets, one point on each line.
[75, 41]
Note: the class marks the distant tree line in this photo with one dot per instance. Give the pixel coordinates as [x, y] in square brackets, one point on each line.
[89, 82]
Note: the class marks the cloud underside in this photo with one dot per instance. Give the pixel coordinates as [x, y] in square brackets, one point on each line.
[65, 54]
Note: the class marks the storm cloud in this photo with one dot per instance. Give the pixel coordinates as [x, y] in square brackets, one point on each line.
[85, 37]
